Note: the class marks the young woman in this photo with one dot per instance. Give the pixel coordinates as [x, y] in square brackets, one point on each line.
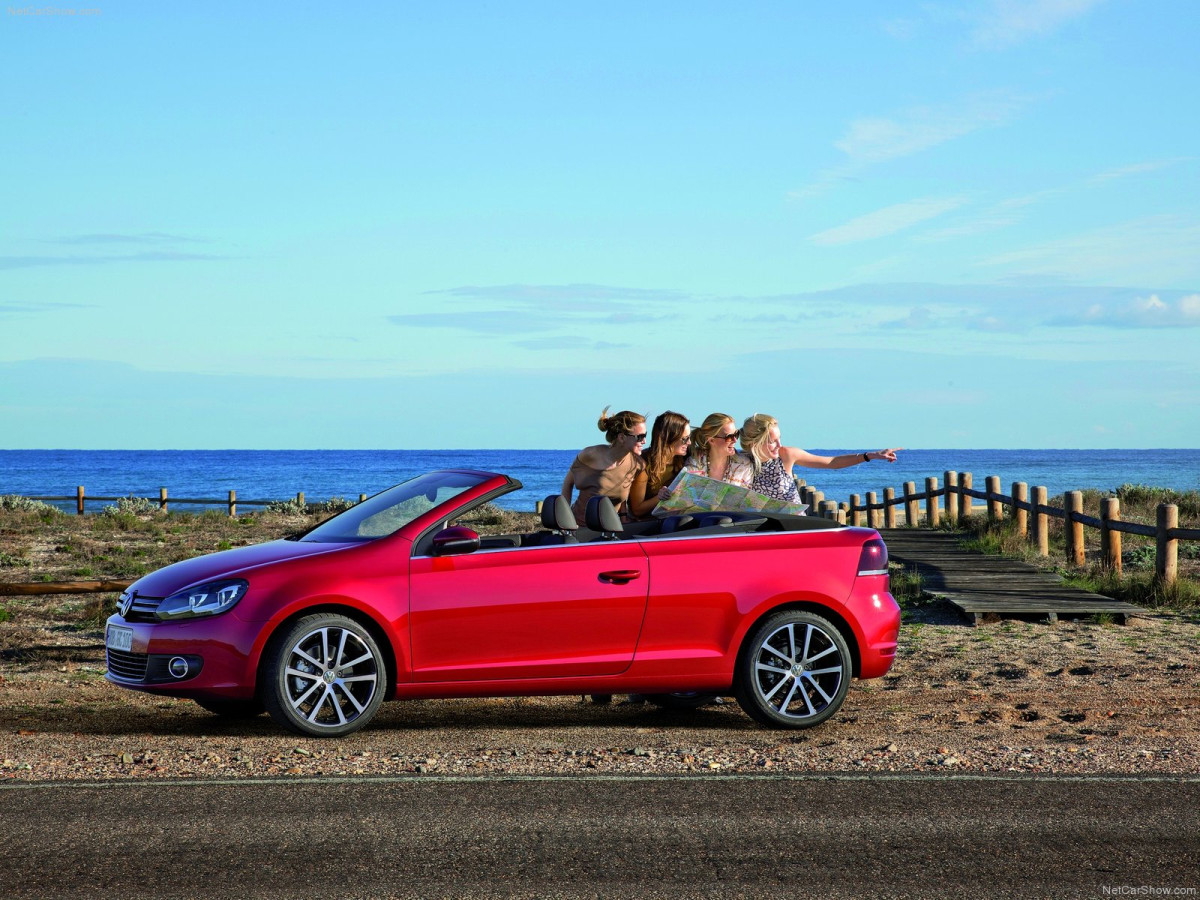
[771, 462]
[608, 469]
[714, 452]
[670, 438]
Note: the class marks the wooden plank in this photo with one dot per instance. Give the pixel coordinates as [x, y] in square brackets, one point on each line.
[31, 588]
[979, 585]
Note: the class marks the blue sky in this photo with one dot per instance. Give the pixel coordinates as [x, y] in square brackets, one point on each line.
[416, 225]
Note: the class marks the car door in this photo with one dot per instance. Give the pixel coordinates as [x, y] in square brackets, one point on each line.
[530, 612]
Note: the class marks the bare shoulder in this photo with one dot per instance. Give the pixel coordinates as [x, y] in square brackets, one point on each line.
[594, 456]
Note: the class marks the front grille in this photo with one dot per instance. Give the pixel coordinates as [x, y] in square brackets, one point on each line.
[130, 666]
[143, 609]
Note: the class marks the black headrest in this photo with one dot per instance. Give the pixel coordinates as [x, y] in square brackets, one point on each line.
[675, 523]
[601, 515]
[557, 515]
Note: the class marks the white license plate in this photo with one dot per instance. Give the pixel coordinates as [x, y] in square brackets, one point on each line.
[119, 638]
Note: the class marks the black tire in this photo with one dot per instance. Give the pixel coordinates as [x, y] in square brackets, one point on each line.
[231, 709]
[324, 677]
[682, 700]
[794, 671]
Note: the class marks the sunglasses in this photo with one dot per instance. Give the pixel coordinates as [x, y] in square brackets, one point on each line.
[637, 438]
[730, 438]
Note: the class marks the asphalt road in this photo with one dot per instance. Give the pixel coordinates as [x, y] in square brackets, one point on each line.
[679, 837]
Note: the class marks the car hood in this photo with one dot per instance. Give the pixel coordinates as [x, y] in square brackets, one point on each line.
[180, 575]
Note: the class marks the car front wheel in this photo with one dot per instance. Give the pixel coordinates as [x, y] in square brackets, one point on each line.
[325, 676]
[794, 672]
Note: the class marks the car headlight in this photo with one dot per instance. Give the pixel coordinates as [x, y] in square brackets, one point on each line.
[203, 600]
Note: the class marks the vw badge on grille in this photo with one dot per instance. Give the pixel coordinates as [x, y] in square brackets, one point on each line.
[124, 602]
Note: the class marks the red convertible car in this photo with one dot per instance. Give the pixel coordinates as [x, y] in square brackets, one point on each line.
[395, 598]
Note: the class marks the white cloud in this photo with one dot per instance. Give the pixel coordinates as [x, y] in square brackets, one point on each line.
[1009, 22]
[1138, 169]
[1153, 250]
[888, 220]
[1142, 312]
[877, 139]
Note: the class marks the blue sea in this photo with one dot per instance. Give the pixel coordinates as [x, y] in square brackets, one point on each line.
[321, 474]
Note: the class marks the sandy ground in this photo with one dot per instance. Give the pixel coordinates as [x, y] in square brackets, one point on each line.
[1073, 698]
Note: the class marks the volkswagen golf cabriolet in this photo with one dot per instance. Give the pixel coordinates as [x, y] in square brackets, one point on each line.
[396, 598]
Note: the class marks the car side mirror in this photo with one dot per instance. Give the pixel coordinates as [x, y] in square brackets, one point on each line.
[455, 540]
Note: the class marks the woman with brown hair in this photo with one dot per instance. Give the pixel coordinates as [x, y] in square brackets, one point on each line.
[772, 462]
[671, 437]
[714, 454]
[608, 469]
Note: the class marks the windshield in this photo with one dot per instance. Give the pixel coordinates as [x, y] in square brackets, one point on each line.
[390, 511]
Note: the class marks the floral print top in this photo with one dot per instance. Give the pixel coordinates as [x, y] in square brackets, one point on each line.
[738, 470]
[773, 481]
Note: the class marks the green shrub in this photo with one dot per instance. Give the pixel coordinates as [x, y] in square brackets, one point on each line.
[134, 506]
[1147, 497]
[24, 504]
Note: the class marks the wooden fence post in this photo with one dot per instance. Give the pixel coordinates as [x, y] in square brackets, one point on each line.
[362, 498]
[300, 499]
[1110, 538]
[889, 507]
[1074, 528]
[931, 504]
[965, 482]
[1166, 551]
[162, 499]
[232, 504]
[829, 509]
[1020, 494]
[79, 500]
[951, 496]
[855, 510]
[912, 514]
[843, 508]
[995, 507]
[872, 513]
[1041, 521]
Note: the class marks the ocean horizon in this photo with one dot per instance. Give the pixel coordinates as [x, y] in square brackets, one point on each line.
[323, 474]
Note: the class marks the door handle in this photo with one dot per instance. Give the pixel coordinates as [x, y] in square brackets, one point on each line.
[620, 576]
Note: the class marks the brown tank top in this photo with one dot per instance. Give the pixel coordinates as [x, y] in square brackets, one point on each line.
[612, 483]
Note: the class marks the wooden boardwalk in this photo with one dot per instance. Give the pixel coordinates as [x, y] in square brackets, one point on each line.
[979, 584]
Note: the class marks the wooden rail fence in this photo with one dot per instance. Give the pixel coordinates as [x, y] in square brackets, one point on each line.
[230, 503]
[1030, 511]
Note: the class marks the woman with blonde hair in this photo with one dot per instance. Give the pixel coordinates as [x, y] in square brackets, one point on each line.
[671, 438]
[714, 452]
[771, 462]
[608, 469]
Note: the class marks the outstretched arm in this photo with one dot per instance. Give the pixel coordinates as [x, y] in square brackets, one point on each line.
[794, 456]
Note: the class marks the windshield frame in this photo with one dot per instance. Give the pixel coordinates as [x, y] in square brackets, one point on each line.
[352, 519]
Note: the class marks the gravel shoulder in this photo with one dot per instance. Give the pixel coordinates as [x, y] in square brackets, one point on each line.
[1009, 696]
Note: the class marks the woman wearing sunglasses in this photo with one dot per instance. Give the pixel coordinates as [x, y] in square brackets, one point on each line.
[714, 452]
[671, 438]
[608, 469]
[772, 462]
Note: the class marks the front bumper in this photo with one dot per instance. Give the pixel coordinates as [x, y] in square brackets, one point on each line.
[219, 653]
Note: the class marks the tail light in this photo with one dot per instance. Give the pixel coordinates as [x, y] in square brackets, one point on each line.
[873, 560]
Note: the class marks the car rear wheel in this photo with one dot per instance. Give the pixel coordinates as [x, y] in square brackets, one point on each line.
[325, 676]
[231, 709]
[794, 671]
